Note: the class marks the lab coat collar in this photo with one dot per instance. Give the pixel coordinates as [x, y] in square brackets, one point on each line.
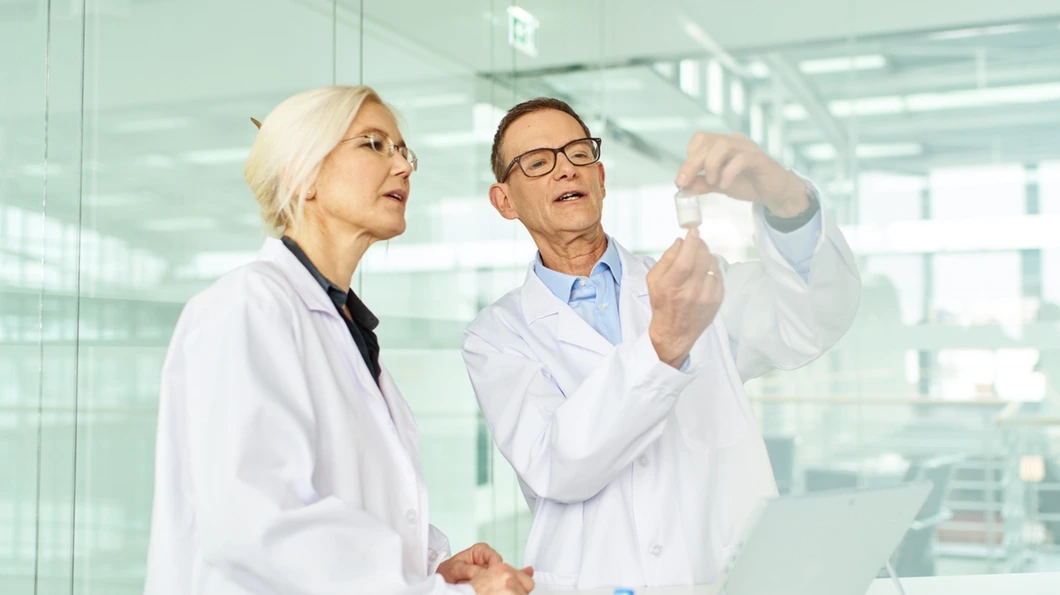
[634, 272]
[339, 296]
[538, 302]
[314, 296]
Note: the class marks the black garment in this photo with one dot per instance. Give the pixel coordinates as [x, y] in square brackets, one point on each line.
[362, 326]
[790, 224]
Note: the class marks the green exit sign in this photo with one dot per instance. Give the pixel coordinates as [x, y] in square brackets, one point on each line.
[522, 30]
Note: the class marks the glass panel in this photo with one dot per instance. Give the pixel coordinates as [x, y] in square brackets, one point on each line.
[168, 93]
[57, 232]
[123, 132]
[23, 428]
[428, 283]
[931, 147]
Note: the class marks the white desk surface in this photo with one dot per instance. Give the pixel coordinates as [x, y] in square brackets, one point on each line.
[993, 584]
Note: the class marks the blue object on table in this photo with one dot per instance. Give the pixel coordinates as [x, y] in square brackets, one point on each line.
[621, 591]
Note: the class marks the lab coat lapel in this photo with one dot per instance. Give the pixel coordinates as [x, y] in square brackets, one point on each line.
[402, 417]
[539, 303]
[317, 300]
[573, 330]
[635, 303]
[382, 399]
[312, 294]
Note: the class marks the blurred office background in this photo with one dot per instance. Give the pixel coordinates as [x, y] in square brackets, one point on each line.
[933, 130]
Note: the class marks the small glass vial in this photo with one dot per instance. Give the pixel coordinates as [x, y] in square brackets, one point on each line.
[688, 212]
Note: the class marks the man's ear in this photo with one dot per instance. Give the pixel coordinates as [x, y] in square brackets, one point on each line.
[603, 187]
[502, 202]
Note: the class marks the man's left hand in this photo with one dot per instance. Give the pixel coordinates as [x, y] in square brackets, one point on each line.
[466, 565]
[735, 165]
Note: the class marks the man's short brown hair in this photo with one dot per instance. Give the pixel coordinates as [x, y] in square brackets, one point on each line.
[524, 108]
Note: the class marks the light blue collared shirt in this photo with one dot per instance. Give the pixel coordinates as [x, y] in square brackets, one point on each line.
[595, 298]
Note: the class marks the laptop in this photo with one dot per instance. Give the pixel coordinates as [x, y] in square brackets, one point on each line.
[828, 543]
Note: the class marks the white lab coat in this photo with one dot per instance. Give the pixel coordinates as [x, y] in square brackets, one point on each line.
[636, 473]
[281, 468]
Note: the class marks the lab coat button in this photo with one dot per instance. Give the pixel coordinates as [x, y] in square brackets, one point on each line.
[642, 461]
[411, 517]
[655, 550]
[432, 556]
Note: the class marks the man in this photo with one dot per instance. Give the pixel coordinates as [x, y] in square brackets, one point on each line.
[614, 385]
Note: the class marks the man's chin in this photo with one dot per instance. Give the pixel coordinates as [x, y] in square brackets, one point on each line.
[578, 227]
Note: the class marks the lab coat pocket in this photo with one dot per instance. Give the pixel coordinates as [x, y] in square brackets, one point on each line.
[555, 582]
[551, 548]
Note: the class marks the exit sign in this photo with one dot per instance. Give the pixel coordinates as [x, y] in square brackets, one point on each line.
[522, 30]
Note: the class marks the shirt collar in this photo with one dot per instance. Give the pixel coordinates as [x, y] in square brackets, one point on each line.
[560, 284]
[360, 312]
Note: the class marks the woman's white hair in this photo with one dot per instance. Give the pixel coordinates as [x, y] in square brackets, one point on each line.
[292, 144]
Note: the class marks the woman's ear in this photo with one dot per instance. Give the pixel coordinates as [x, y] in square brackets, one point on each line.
[288, 183]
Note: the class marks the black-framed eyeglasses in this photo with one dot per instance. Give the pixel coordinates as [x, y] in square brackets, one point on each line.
[540, 162]
[385, 146]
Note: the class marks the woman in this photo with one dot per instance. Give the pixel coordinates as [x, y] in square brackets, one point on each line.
[287, 460]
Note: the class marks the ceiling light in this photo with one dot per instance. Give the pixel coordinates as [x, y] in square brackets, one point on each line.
[156, 161]
[689, 77]
[827, 152]
[819, 152]
[737, 99]
[217, 156]
[843, 64]
[758, 69]
[715, 87]
[927, 102]
[1037, 93]
[794, 111]
[757, 124]
[884, 151]
[180, 224]
[152, 125]
[977, 32]
[868, 106]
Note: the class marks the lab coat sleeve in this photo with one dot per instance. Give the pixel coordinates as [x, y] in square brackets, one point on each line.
[775, 318]
[438, 549]
[261, 522]
[798, 245]
[567, 448]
